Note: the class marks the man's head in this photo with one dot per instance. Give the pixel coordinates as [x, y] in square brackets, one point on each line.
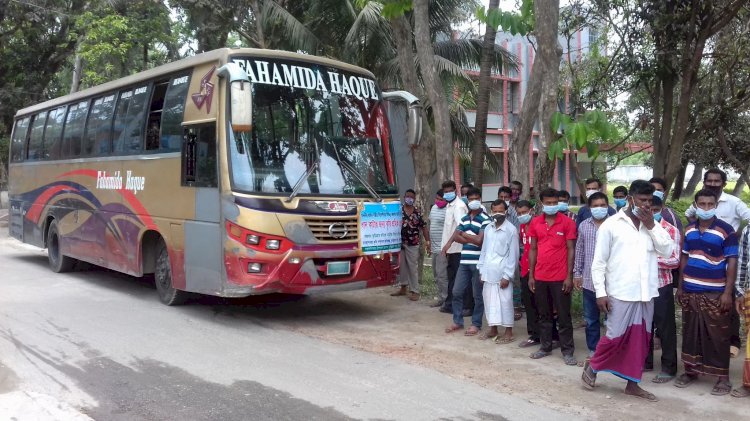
[474, 197]
[449, 190]
[525, 211]
[599, 205]
[516, 189]
[549, 200]
[656, 206]
[563, 200]
[641, 195]
[621, 196]
[715, 180]
[660, 186]
[465, 189]
[440, 202]
[498, 211]
[409, 197]
[705, 204]
[504, 193]
[593, 185]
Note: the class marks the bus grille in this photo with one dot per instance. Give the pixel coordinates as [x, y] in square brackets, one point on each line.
[333, 229]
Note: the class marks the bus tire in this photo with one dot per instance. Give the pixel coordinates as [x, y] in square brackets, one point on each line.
[57, 261]
[163, 279]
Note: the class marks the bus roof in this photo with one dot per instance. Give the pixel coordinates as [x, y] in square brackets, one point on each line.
[221, 55]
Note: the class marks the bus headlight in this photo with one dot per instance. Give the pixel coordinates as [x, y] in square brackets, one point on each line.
[273, 244]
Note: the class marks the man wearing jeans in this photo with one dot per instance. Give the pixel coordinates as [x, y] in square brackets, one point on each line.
[585, 246]
[470, 233]
[551, 258]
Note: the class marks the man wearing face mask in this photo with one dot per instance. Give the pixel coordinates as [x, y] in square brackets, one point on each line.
[497, 265]
[455, 210]
[470, 233]
[625, 277]
[593, 185]
[436, 220]
[563, 204]
[505, 194]
[709, 270]
[620, 193]
[551, 258]
[667, 213]
[411, 224]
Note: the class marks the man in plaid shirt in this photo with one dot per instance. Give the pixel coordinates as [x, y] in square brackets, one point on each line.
[664, 324]
[743, 304]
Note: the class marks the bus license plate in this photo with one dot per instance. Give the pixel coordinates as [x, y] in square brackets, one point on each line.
[338, 268]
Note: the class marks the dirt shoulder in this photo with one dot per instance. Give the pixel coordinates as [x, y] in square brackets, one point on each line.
[412, 331]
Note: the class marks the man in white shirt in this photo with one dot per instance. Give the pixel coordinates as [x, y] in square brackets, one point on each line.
[454, 212]
[732, 210]
[625, 277]
[498, 261]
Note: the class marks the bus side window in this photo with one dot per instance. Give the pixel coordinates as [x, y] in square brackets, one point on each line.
[36, 140]
[53, 133]
[153, 124]
[19, 140]
[73, 132]
[199, 156]
[99, 127]
[171, 118]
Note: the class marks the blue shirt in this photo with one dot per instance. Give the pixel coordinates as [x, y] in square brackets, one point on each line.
[706, 269]
[472, 226]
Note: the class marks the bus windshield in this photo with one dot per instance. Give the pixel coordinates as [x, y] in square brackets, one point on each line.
[320, 142]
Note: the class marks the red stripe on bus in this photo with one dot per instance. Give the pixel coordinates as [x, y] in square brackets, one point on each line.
[87, 173]
[36, 208]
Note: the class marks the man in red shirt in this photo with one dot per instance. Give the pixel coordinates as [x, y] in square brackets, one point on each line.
[551, 259]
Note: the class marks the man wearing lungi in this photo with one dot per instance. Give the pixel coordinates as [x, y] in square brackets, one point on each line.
[625, 276]
[743, 304]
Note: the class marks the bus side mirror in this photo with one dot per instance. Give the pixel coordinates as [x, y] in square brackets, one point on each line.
[414, 123]
[240, 97]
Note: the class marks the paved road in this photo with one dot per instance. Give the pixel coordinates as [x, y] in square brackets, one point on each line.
[98, 344]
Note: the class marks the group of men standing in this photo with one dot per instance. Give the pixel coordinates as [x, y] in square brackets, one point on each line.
[630, 262]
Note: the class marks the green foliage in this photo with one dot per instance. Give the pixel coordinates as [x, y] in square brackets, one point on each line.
[589, 131]
[521, 22]
[395, 8]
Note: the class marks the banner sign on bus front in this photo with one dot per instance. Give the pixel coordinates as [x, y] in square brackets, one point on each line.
[380, 227]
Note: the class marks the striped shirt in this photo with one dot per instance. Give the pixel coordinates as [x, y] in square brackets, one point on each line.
[472, 226]
[666, 265]
[706, 269]
[743, 258]
[437, 221]
[585, 246]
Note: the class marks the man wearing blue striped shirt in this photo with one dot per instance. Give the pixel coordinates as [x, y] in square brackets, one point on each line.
[470, 233]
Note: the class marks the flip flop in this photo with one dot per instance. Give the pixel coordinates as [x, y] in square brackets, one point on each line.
[528, 342]
[662, 378]
[570, 360]
[504, 340]
[685, 380]
[539, 354]
[588, 381]
[643, 395]
[741, 392]
[721, 388]
[453, 328]
[472, 331]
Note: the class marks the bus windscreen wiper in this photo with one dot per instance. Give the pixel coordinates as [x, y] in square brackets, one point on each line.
[301, 182]
[359, 178]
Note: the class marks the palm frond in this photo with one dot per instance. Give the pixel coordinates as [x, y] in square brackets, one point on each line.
[273, 15]
[446, 67]
[467, 54]
[370, 25]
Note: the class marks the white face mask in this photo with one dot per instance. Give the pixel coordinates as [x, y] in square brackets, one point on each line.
[590, 192]
[475, 204]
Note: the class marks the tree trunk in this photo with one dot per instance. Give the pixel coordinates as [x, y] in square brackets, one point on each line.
[520, 141]
[423, 154]
[693, 182]
[434, 90]
[75, 84]
[679, 182]
[261, 38]
[741, 182]
[483, 101]
[545, 77]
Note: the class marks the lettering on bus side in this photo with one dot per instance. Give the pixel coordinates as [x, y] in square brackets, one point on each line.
[295, 76]
[114, 181]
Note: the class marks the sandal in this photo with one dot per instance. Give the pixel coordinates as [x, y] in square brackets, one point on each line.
[643, 395]
[472, 331]
[741, 392]
[539, 354]
[453, 328]
[588, 377]
[685, 380]
[570, 360]
[504, 340]
[721, 388]
[528, 342]
[662, 378]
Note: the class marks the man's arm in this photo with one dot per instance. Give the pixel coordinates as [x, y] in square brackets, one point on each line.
[511, 262]
[482, 258]
[726, 296]
[568, 283]
[743, 211]
[673, 261]
[580, 249]
[601, 257]
[532, 263]
[663, 243]
[741, 283]
[690, 214]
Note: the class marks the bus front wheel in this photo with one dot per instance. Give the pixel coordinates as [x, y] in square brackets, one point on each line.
[57, 261]
[163, 280]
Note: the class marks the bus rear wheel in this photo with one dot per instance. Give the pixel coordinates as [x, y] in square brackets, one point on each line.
[57, 261]
[163, 280]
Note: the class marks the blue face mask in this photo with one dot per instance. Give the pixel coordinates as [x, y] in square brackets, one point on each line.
[450, 196]
[621, 202]
[705, 215]
[524, 219]
[550, 209]
[562, 206]
[659, 194]
[657, 217]
[599, 213]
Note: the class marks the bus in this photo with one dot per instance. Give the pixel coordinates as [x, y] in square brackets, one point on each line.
[234, 172]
